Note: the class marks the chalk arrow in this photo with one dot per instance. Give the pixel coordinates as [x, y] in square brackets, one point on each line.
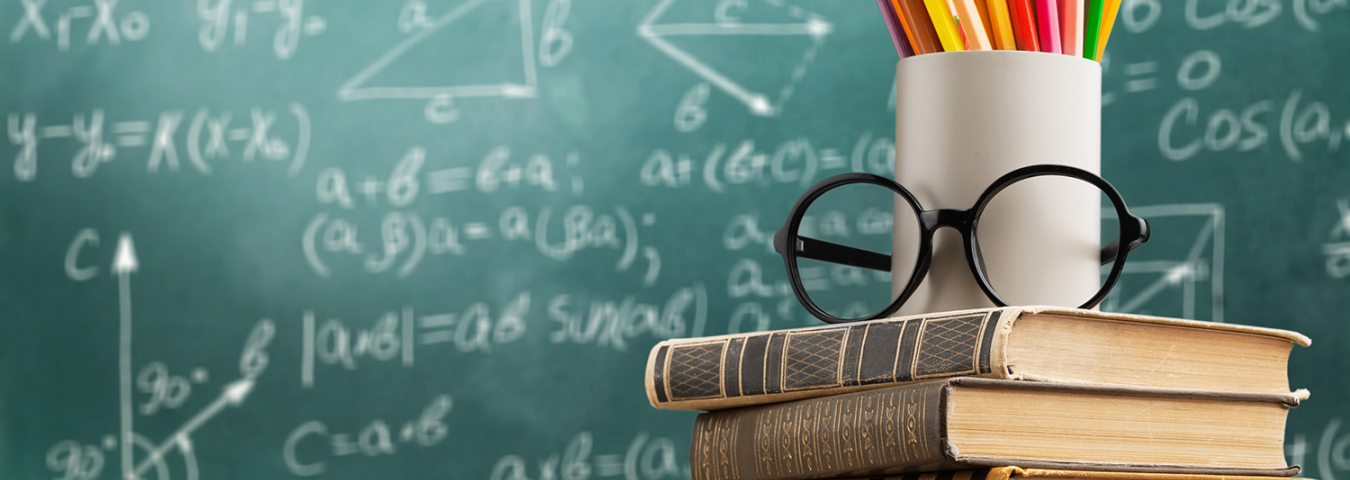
[124, 263]
[233, 395]
[125, 259]
[235, 392]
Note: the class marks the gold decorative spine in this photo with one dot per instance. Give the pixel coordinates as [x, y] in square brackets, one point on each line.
[844, 435]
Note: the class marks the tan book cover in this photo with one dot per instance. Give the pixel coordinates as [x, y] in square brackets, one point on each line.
[967, 422]
[1018, 473]
[1045, 344]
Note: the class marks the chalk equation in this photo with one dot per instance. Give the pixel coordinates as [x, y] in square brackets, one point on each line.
[396, 336]
[791, 162]
[410, 177]
[1139, 16]
[406, 239]
[376, 438]
[172, 140]
[646, 458]
[1298, 125]
[97, 23]
[1196, 72]
[223, 19]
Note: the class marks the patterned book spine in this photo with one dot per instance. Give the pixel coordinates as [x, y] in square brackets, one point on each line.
[886, 430]
[700, 374]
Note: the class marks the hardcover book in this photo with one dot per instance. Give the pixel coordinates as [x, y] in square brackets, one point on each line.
[1018, 473]
[1047, 344]
[967, 422]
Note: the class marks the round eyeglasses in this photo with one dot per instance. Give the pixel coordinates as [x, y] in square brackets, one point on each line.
[834, 239]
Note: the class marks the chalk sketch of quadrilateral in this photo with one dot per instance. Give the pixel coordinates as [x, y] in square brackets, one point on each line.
[811, 26]
[356, 89]
[1150, 276]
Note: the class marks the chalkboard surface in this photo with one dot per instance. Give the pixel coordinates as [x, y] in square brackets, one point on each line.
[345, 240]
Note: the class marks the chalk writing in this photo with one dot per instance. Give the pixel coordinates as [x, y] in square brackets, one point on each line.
[100, 145]
[646, 458]
[792, 162]
[376, 438]
[406, 239]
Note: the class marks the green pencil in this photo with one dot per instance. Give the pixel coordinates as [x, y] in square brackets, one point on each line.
[1092, 28]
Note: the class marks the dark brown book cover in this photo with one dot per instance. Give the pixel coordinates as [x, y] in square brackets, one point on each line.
[892, 431]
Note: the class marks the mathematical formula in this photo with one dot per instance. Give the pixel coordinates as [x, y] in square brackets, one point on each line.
[402, 186]
[406, 240]
[208, 137]
[794, 162]
[1298, 125]
[398, 336]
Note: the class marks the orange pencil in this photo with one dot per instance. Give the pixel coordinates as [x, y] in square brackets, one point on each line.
[1002, 25]
[1024, 25]
[914, 18]
[983, 7]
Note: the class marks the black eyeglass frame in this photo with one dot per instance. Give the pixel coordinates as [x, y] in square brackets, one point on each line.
[1134, 231]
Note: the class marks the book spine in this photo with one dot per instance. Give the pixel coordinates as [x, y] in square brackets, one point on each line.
[883, 431]
[759, 368]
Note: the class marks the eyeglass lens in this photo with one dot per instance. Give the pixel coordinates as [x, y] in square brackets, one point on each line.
[860, 216]
[1021, 248]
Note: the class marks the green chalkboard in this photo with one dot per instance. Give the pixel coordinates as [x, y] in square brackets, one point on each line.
[427, 239]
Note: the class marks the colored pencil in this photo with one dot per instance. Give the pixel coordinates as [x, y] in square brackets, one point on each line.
[1047, 25]
[1001, 24]
[897, 32]
[983, 7]
[914, 18]
[1108, 21]
[1092, 25]
[972, 25]
[1071, 26]
[945, 25]
[1024, 25]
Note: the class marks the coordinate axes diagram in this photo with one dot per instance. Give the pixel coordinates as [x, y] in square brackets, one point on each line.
[441, 93]
[727, 24]
[125, 263]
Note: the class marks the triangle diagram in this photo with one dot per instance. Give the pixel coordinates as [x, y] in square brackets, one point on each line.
[711, 40]
[458, 54]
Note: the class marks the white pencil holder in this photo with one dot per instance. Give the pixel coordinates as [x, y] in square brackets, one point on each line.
[962, 120]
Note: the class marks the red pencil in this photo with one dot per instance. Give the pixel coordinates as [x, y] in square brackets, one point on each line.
[1024, 25]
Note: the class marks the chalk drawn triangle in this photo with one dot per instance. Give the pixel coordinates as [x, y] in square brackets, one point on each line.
[405, 62]
[673, 31]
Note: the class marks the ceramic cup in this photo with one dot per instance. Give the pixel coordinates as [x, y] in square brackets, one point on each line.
[962, 120]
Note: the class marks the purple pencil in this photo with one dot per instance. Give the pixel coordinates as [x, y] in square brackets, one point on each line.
[902, 46]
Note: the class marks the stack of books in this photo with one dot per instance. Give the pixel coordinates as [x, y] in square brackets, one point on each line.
[988, 394]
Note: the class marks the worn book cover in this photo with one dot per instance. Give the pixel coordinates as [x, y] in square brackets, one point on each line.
[1048, 344]
[966, 422]
[1018, 473]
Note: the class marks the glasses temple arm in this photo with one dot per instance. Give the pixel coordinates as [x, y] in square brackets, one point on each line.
[842, 254]
[1110, 251]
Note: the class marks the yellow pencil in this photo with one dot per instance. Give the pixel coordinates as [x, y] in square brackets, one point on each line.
[945, 25]
[973, 25]
[1001, 22]
[1108, 19]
